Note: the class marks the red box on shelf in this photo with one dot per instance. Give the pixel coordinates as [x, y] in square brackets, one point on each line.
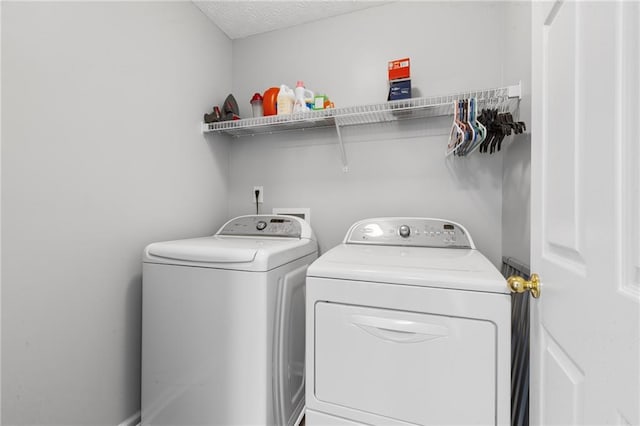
[399, 69]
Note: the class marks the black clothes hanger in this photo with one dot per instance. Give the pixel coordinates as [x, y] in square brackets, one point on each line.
[471, 136]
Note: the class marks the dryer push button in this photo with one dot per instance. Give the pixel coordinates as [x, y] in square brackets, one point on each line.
[404, 231]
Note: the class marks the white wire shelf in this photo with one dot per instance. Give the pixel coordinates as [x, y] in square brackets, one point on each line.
[413, 108]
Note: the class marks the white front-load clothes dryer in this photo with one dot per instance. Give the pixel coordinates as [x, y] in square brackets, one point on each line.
[407, 323]
[223, 324]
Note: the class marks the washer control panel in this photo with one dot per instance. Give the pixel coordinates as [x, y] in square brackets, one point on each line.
[418, 232]
[262, 226]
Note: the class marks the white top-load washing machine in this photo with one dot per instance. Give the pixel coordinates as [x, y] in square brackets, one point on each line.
[407, 323]
[223, 324]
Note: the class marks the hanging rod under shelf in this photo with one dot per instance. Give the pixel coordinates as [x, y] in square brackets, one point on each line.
[433, 106]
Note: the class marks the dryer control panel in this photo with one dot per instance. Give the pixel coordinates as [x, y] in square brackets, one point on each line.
[263, 226]
[410, 231]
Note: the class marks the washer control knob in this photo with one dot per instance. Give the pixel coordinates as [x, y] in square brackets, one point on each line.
[261, 225]
[404, 231]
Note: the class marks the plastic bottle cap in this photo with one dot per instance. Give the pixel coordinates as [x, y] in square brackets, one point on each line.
[256, 97]
[300, 83]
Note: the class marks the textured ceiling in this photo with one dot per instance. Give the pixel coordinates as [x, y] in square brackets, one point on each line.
[240, 19]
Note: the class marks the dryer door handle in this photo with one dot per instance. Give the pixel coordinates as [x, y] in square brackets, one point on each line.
[399, 330]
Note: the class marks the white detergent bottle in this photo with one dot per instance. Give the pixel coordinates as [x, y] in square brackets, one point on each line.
[286, 98]
[301, 95]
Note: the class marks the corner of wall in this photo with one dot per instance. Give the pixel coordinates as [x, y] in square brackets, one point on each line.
[1, 7]
[516, 182]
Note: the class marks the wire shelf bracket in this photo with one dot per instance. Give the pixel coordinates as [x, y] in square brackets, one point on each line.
[343, 154]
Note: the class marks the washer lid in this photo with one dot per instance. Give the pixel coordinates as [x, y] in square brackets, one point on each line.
[201, 250]
[462, 269]
[229, 252]
[247, 243]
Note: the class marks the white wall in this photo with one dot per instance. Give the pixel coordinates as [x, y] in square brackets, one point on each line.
[397, 169]
[516, 178]
[101, 154]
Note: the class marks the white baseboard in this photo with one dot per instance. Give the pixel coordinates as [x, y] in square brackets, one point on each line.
[133, 420]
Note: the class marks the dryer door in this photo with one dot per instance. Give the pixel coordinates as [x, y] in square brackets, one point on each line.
[412, 367]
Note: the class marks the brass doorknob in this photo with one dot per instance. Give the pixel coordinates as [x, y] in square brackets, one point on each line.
[520, 285]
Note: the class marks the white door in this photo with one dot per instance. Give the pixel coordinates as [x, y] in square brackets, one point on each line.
[585, 213]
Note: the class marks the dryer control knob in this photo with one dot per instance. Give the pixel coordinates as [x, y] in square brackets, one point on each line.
[404, 231]
[261, 225]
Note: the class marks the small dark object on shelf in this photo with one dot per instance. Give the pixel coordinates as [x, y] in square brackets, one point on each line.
[214, 116]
